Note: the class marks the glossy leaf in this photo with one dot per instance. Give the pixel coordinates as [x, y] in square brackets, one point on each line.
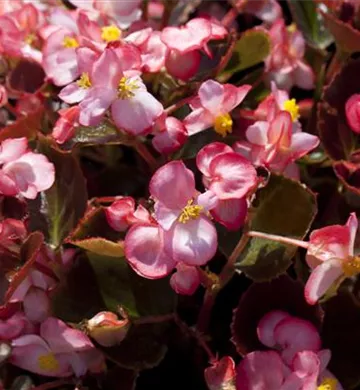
[57, 211]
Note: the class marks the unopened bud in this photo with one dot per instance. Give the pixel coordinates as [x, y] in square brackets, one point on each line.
[106, 329]
[221, 375]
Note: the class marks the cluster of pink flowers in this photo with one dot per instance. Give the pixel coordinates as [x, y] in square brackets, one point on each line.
[294, 359]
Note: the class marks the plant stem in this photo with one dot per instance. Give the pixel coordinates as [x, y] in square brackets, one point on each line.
[178, 105]
[144, 152]
[54, 384]
[232, 13]
[212, 292]
[284, 240]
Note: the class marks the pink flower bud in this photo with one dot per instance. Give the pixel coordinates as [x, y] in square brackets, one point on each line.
[352, 110]
[221, 375]
[3, 96]
[106, 329]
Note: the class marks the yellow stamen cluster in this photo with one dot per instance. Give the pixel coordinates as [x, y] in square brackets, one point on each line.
[84, 81]
[328, 384]
[223, 124]
[351, 267]
[70, 42]
[48, 362]
[190, 211]
[292, 108]
[29, 39]
[126, 88]
[110, 33]
[292, 28]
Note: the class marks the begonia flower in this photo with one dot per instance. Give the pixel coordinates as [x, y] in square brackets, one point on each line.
[352, 111]
[213, 105]
[57, 351]
[185, 280]
[330, 255]
[221, 374]
[231, 177]
[23, 172]
[66, 125]
[285, 64]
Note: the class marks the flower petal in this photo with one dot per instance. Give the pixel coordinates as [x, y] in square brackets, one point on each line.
[267, 325]
[185, 280]
[208, 153]
[231, 212]
[211, 94]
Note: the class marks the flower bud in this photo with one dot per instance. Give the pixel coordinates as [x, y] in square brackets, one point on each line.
[106, 329]
[352, 110]
[221, 375]
[3, 96]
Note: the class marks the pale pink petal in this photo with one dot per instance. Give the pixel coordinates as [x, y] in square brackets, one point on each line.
[267, 325]
[72, 93]
[283, 78]
[198, 120]
[189, 37]
[94, 106]
[32, 173]
[13, 326]
[36, 305]
[12, 148]
[260, 370]
[270, 12]
[136, 114]
[144, 252]
[233, 96]
[106, 71]
[118, 213]
[185, 280]
[208, 153]
[165, 216]
[297, 44]
[153, 53]
[257, 133]
[232, 176]
[193, 242]
[302, 143]
[295, 335]
[208, 200]
[172, 138]
[231, 213]
[352, 225]
[182, 65]
[321, 279]
[86, 58]
[327, 243]
[324, 357]
[306, 363]
[63, 339]
[280, 130]
[173, 185]
[211, 94]
[304, 76]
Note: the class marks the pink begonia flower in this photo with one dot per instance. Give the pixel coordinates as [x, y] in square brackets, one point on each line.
[182, 66]
[274, 145]
[122, 214]
[58, 351]
[231, 178]
[66, 125]
[170, 134]
[153, 50]
[285, 64]
[352, 111]
[276, 102]
[330, 255]
[185, 280]
[23, 172]
[212, 107]
[106, 328]
[298, 363]
[182, 232]
[133, 109]
[181, 211]
[221, 375]
[14, 326]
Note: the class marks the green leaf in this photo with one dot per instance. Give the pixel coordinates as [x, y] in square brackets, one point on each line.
[94, 234]
[251, 49]
[307, 17]
[284, 207]
[119, 285]
[57, 211]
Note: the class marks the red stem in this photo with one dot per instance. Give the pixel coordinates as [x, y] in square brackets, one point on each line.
[284, 240]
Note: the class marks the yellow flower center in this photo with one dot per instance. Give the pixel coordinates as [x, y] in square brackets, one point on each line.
[292, 108]
[84, 81]
[351, 267]
[30, 39]
[70, 42]
[126, 88]
[292, 28]
[223, 124]
[328, 384]
[48, 362]
[110, 33]
[190, 211]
